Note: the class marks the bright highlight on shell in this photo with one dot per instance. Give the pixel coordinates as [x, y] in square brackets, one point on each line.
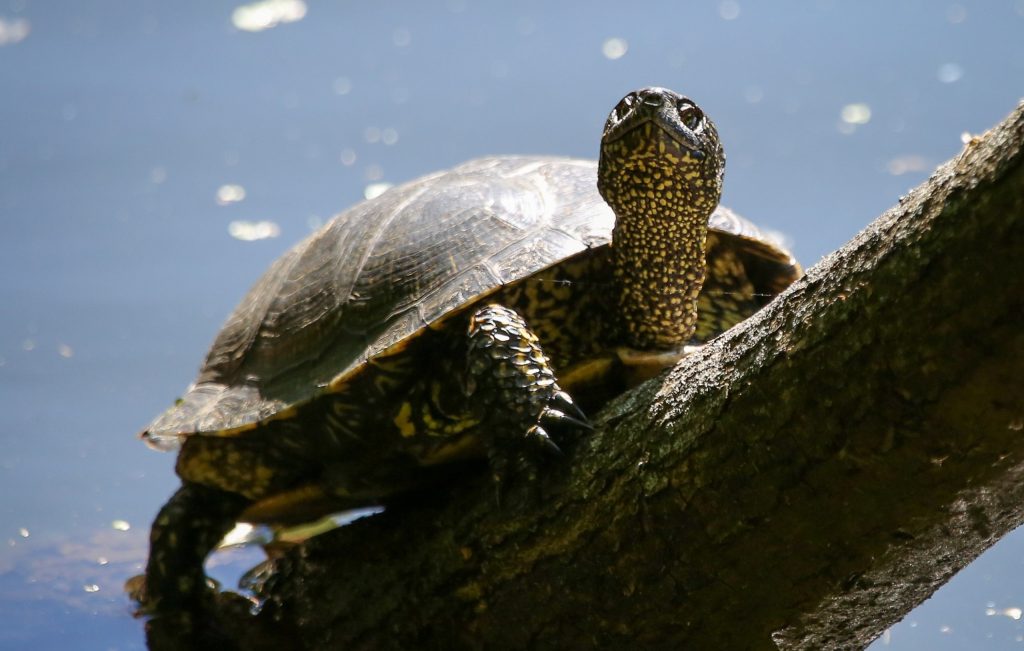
[374, 190]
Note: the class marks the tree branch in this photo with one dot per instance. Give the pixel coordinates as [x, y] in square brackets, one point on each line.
[807, 478]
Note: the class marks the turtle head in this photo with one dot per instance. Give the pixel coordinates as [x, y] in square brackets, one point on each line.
[658, 142]
[661, 172]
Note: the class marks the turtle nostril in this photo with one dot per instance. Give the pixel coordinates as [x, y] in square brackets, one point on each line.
[651, 97]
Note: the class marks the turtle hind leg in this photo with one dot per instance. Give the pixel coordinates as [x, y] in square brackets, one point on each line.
[184, 532]
[510, 384]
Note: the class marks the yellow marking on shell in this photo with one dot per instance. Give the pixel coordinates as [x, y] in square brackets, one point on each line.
[443, 429]
[456, 426]
[284, 414]
[403, 421]
[241, 429]
[465, 447]
[435, 395]
[390, 371]
[340, 382]
[343, 409]
[433, 426]
[461, 426]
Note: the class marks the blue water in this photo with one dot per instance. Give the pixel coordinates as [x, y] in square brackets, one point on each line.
[121, 121]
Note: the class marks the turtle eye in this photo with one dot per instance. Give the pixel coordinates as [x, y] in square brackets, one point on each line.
[624, 106]
[690, 115]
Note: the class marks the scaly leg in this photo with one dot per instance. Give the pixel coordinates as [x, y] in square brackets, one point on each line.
[184, 532]
[509, 382]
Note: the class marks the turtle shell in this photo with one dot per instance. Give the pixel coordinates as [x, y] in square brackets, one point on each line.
[381, 272]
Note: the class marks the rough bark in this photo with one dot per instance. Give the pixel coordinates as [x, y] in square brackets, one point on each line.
[803, 481]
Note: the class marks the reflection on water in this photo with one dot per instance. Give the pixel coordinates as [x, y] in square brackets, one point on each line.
[13, 30]
[258, 16]
[74, 572]
[230, 193]
[250, 231]
[55, 591]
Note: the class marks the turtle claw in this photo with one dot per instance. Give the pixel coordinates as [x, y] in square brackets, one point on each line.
[538, 435]
[556, 417]
[563, 402]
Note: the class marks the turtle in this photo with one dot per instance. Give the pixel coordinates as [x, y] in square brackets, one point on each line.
[466, 314]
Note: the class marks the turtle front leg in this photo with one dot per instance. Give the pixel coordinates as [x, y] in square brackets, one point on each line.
[184, 532]
[510, 384]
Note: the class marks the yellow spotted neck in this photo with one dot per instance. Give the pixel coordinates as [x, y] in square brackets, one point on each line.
[659, 269]
[659, 243]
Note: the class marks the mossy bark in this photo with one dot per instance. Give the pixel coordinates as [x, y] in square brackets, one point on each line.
[803, 481]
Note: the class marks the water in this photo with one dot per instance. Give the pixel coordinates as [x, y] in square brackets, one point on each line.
[121, 249]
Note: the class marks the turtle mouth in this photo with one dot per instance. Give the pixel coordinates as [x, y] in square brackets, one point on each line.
[673, 115]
